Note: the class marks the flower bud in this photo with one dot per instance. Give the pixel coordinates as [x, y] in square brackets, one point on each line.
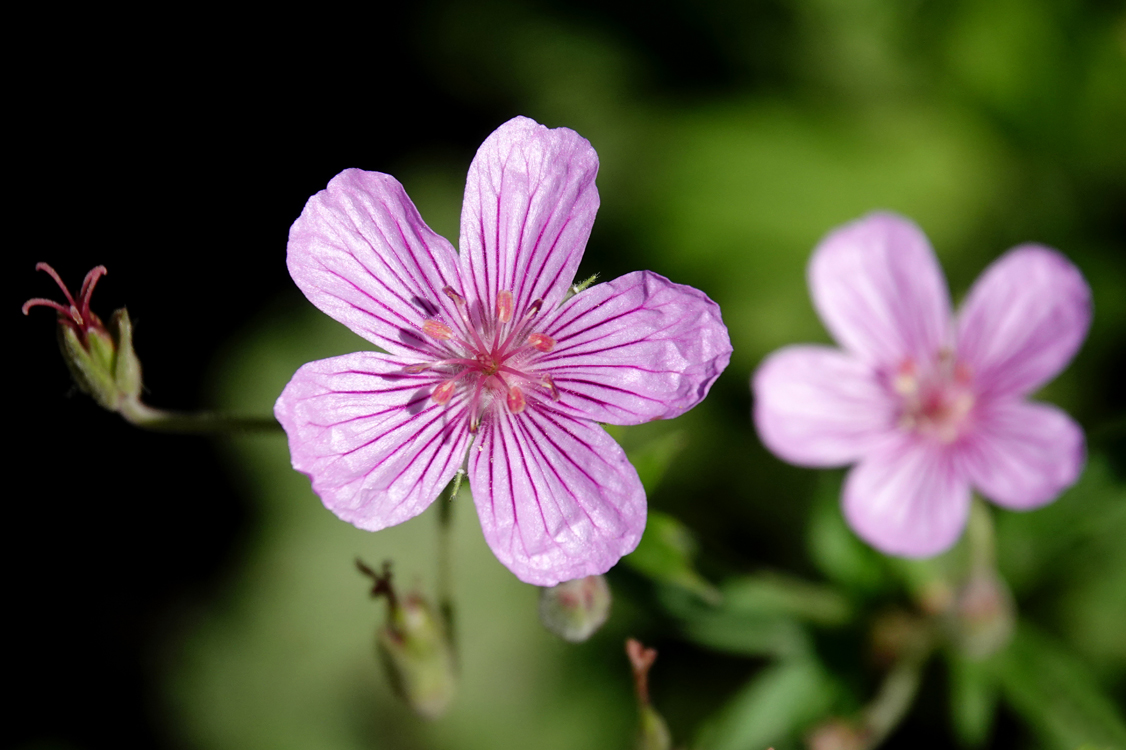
[836, 734]
[574, 610]
[984, 615]
[414, 648]
[101, 360]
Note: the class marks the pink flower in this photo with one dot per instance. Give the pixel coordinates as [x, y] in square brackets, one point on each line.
[490, 363]
[927, 405]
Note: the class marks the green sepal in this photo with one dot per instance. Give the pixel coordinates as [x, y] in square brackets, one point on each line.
[91, 364]
[126, 367]
[653, 733]
[416, 652]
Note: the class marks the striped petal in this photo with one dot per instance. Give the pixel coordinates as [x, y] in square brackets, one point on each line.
[636, 349]
[530, 202]
[907, 498]
[880, 291]
[377, 449]
[361, 253]
[816, 406]
[1023, 455]
[556, 496]
[1023, 321]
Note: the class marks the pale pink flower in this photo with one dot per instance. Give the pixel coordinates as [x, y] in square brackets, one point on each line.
[928, 406]
[490, 364]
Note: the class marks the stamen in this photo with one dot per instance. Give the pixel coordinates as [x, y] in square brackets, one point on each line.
[437, 329]
[442, 393]
[533, 309]
[541, 341]
[457, 298]
[416, 369]
[550, 383]
[516, 401]
[504, 305]
[906, 382]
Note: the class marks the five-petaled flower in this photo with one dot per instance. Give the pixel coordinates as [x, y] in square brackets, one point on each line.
[491, 364]
[926, 405]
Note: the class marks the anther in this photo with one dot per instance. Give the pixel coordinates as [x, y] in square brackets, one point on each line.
[516, 401]
[442, 393]
[436, 329]
[533, 309]
[549, 383]
[457, 298]
[504, 305]
[541, 341]
[905, 381]
[416, 369]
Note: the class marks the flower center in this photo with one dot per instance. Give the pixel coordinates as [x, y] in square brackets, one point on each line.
[936, 400]
[490, 358]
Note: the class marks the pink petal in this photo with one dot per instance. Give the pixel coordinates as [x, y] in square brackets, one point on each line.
[1023, 320]
[636, 349]
[377, 449]
[361, 253]
[529, 206]
[816, 406]
[1022, 455]
[557, 498]
[879, 290]
[907, 498]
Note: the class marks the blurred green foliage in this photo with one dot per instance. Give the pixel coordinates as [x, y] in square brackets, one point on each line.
[732, 136]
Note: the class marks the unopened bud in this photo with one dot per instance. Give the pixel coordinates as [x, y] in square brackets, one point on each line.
[101, 360]
[836, 734]
[414, 647]
[984, 615]
[574, 610]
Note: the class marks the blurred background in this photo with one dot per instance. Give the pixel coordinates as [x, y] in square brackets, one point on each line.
[183, 592]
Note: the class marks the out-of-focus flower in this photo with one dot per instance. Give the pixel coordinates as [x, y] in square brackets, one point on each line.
[490, 360]
[101, 360]
[928, 406]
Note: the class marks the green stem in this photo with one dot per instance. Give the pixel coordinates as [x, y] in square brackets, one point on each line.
[445, 554]
[196, 423]
[897, 692]
[981, 538]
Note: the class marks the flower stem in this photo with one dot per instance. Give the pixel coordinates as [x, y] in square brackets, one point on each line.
[196, 423]
[445, 546]
[896, 695]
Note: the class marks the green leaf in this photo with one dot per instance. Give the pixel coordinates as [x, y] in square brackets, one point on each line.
[666, 554]
[769, 594]
[759, 615]
[973, 698]
[777, 703]
[1057, 694]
